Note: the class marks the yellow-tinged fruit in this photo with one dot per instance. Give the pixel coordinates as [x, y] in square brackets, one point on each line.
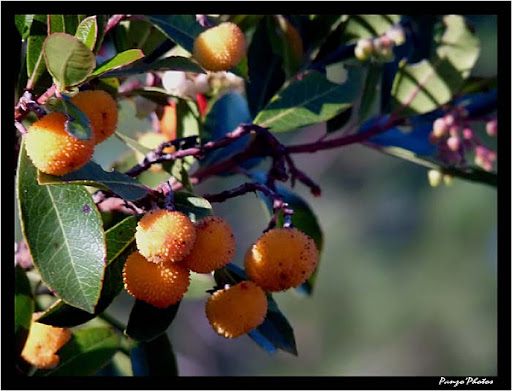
[101, 109]
[214, 247]
[169, 121]
[52, 149]
[160, 285]
[43, 342]
[152, 140]
[281, 258]
[163, 235]
[237, 310]
[220, 48]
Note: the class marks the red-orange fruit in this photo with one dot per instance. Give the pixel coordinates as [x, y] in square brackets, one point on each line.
[101, 109]
[163, 235]
[52, 149]
[43, 342]
[220, 48]
[237, 310]
[214, 247]
[160, 285]
[281, 258]
[169, 121]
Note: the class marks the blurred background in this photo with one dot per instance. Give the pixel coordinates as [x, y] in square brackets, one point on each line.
[407, 278]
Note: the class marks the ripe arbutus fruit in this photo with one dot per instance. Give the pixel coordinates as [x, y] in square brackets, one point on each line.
[43, 342]
[164, 235]
[160, 285]
[220, 48]
[237, 310]
[101, 109]
[52, 149]
[281, 258]
[214, 247]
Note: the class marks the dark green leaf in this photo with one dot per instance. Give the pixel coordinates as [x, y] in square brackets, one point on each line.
[275, 332]
[93, 175]
[62, 227]
[154, 94]
[182, 29]
[120, 244]
[87, 351]
[370, 91]
[68, 59]
[102, 23]
[308, 101]
[193, 206]
[23, 308]
[63, 23]
[35, 58]
[172, 63]
[154, 358]
[265, 77]
[87, 31]
[147, 322]
[133, 144]
[78, 124]
[143, 35]
[23, 24]
[120, 60]
[318, 29]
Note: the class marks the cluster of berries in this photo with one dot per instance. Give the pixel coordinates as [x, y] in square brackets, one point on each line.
[380, 49]
[170, 246]
[54, 151]
[455, 139]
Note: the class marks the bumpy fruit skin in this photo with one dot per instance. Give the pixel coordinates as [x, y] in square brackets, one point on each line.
[220, 48]
[281, 258]
[101, 109]
[43, 342]
[163, 235]
[160, 285]
[52, 149]
[237, 310]
[214, 247]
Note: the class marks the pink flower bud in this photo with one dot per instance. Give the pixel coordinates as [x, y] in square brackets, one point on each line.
[453, 143]
[454, 130]
[439, 128]
[492, 128]
[467, 134]
[449, 119]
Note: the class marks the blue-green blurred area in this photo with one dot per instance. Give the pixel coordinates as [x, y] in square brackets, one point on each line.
[407, 282]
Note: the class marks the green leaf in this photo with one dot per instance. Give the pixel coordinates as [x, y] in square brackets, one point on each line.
[63, 24]
[171, 63]
[182, 29]
[23, 308]
[62, 227]
[87, 351]
[367, 26]
[275, 332]
[422, 87]
[154, 94]
[23, 24]
[68, 59]
[147, 322]
[120, 244]
[35, 59]
[318, 30]
[143, 35]
[154, 358]
[87, 31]
[265, 77]
[102, 23]
[193, 206]
[133, 144]
[308, 101]
[118, 61]
[370, 91]
[78, 124]
[93, 175]
[199, 284]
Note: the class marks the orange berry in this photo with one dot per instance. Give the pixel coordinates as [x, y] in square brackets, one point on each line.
[169, 121]
[220, 48]
[163, 235]
[237, 310]
[281, 258]
[214, 247]
[160, 285]
[43, 342]
[101, 109]
[52, 149]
